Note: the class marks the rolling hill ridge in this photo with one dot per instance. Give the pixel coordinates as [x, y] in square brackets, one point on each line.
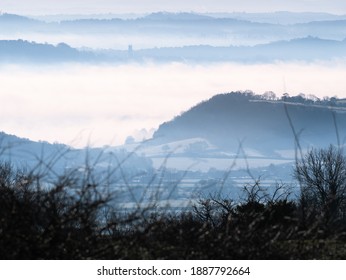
[260, 122]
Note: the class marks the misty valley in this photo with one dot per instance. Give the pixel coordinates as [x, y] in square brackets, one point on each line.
[218, 147]
[173, 136]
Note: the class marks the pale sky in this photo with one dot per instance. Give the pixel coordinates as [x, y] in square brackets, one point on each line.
[41, 7]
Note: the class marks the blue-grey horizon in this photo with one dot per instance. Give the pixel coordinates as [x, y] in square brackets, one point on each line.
[41, 7]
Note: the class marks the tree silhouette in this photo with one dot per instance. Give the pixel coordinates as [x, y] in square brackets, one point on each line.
[322, 176]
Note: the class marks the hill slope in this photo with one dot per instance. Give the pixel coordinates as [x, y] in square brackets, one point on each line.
[258, 122]
[59, 158]
[24, 51]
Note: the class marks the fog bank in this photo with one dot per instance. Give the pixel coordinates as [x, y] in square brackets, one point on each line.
[101, 105]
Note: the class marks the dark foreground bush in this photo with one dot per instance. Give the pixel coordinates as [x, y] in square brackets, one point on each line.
[71, 219]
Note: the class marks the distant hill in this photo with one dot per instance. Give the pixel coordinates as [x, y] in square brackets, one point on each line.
[11, 23]
[12, 18]
[169, 37]
[302, 49]
[23, 152]
[164, 16]
[280, 17]
[59, 158]
[216, 30]
[25, 51]
[260, 123]
[306, 49]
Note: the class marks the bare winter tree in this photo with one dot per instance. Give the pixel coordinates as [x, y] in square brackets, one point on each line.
[322, 176]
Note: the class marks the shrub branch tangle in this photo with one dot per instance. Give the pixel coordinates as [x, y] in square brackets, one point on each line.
[72, 219]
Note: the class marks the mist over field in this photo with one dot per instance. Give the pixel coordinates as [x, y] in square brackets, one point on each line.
[102, 105]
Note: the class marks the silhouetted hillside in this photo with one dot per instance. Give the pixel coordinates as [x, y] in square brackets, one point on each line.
[260, 122]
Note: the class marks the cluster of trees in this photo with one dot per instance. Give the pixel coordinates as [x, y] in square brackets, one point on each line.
[71, 218]
[308, 99]
[301, 98]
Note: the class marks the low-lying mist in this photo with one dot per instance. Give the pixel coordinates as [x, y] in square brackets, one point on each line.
[80, 104]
